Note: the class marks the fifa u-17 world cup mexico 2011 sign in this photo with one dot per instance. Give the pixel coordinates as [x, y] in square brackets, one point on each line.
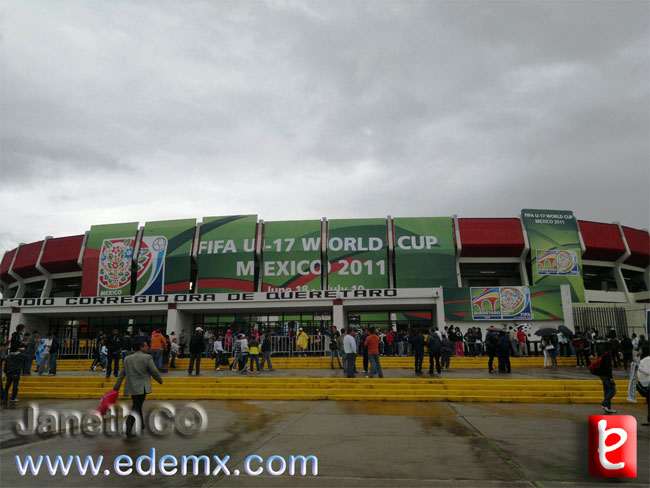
[107, 260]
[291, 255]
[556, 254]
[164, 257]
[226, 257]
[425, 254]
[357, 254]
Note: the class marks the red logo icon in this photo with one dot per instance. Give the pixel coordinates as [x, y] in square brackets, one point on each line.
[612, 446]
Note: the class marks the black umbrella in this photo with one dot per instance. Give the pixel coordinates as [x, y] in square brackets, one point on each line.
[546, 331]
[566, 331]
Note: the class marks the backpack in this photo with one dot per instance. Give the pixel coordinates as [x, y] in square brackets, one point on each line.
[594, 367]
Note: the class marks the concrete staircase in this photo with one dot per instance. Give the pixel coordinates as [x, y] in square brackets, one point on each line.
[244, 387]
[324, 363]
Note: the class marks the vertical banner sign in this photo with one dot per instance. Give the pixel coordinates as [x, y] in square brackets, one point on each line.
[291, 256]
[425, 254]
[227, 254]
[107, 260]
[357, 254]
[164, 258]
[555, 252]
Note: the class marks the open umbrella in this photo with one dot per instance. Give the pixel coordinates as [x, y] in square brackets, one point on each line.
[566, 331]
[546, 331]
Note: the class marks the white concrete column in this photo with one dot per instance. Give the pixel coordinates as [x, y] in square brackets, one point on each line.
[439, 312]
[618, 271]
[523, 272]
[31, 322]
[339, 317]
[567, 306]
[459, 250]
[178, 320]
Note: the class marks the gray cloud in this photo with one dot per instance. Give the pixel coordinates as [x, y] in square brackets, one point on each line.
[123, 111]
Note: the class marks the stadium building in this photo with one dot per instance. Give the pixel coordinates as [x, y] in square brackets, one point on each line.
[543, 268]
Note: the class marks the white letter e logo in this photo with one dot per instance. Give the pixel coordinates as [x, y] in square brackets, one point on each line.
[603, 434]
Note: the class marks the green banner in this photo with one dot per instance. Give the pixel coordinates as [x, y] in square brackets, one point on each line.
[107, 260]
[517, 303]
[357, 254]
[555, 252]
[291, 255]
[164, 257]
[425, 254]
[227, 254]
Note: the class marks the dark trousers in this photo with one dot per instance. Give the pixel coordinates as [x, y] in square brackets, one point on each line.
[434, 356]
[419, 359]
[365, 359]
[491, 355]
[12, 379]
[255, 359]
[445, 359]
[195, 357]
[136, 407]
[113, 364]
[28, 364]
[609, 390]
[504, 362]
[350, 360]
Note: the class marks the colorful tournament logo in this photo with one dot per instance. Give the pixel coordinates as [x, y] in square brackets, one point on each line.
[115, 266]
[151, 265]
[546, 262]
[567, 263]
[515, 303]
[486, 303]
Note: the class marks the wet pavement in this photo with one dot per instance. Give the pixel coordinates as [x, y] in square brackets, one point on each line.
[359, 444]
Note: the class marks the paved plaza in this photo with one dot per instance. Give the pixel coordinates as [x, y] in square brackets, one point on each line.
[359, 444]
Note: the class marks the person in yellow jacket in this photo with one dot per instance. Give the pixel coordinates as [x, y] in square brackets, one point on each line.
[302, 341]
[254, 353]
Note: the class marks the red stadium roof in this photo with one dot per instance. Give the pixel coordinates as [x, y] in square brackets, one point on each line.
[639, 243]
[491, 237]
[603, 242]
[60, 255]
[25, 264]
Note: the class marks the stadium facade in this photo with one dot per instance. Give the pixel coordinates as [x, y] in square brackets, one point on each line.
[544, 268]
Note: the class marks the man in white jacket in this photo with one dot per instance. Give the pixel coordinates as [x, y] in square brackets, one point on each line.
[643, 378]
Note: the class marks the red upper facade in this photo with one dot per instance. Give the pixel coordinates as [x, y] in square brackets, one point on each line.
[5, 265]
[639, 243]
[61, 255]
[603, 242]
[25, 264]
[491, 237]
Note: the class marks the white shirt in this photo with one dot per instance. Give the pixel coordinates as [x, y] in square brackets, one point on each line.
[349, 344]
[46, 345]
[218, 347]
[644, 371]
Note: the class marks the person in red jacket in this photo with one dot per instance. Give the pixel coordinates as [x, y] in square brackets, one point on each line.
[372, 343]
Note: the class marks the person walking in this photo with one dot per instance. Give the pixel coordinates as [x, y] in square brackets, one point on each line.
[219, 353]
[45, 356]
[54, 353]
[446, 349]
[197, 347]
[302, 342]
[604, 371]
[114, 346]
[350, 348]
[127, 345]
[643, 380]
[138, 369]
[434, 348]
[417, 344]
[341, 346]
[174, 353]
[334, 350]
[267, 349]
[182, 344]
[30, 352]
[626, 349]
[582, 351]
[237, 354]
[363, 349]
[372, 343]
[491, 349]
[254, 354]
[503, 351]
[158, 345]
[13, 367]
[521, 342]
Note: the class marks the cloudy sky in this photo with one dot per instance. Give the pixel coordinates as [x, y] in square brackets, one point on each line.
[133, 111]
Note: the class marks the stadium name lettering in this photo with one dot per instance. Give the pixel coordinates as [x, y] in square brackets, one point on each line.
[199, 298]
